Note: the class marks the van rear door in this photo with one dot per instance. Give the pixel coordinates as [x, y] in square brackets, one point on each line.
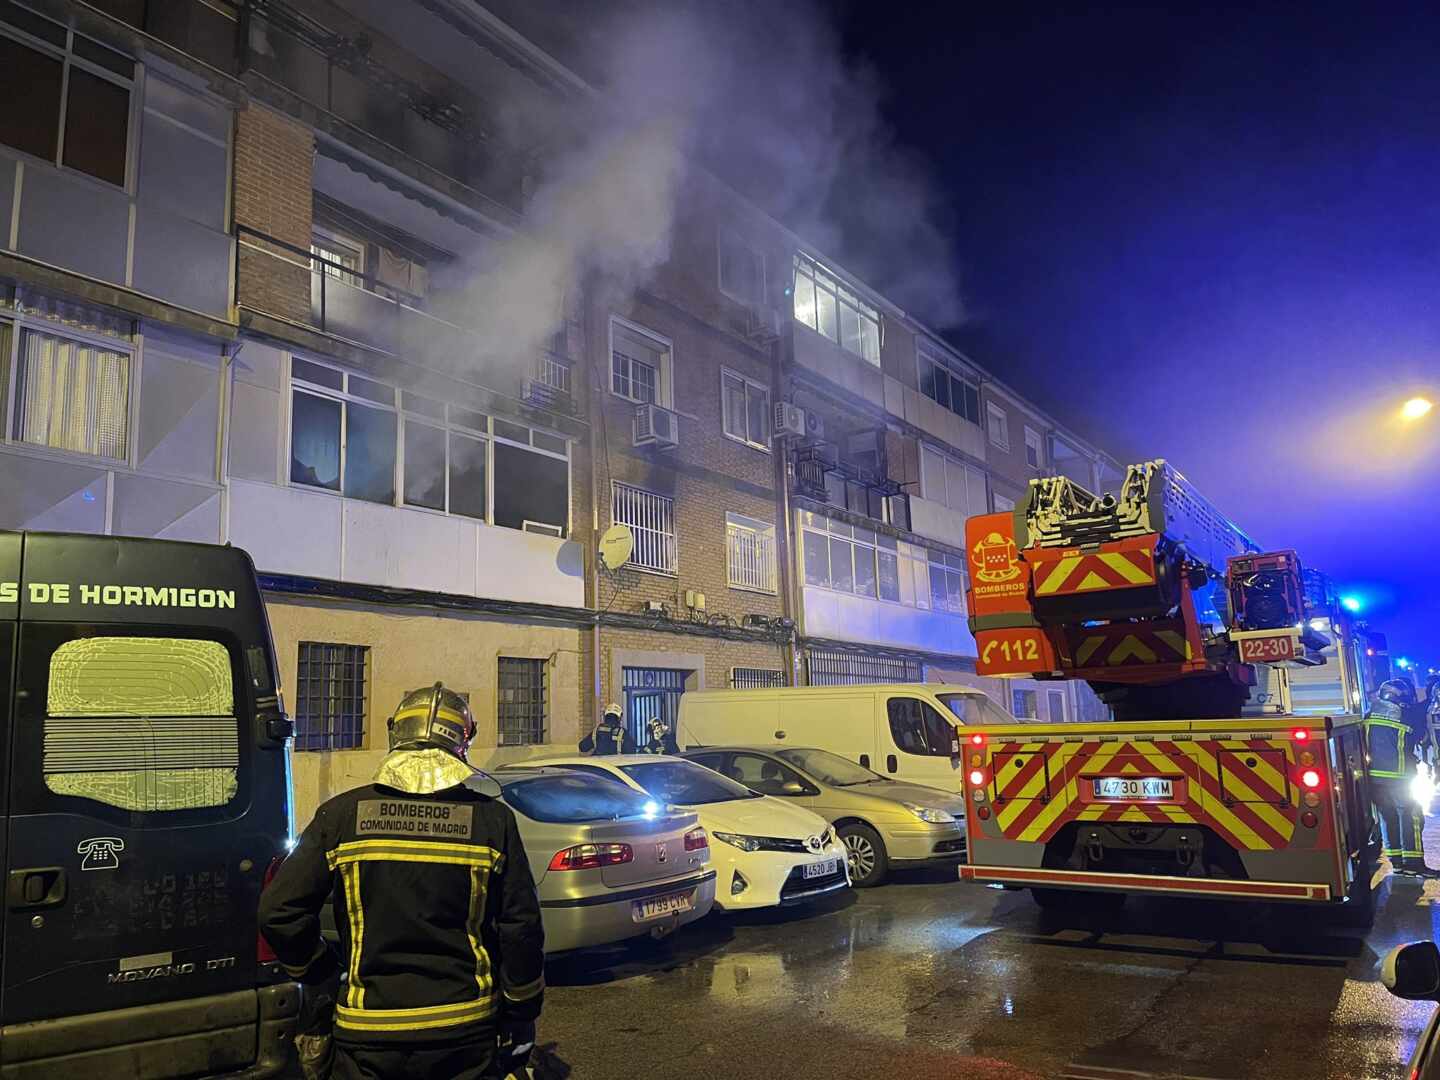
[146, 798]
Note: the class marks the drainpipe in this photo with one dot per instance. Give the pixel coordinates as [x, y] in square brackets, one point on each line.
[596, 408]
[781, 357]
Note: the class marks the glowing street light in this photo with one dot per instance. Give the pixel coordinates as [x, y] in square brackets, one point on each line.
[1415, 408]
[1351, 603]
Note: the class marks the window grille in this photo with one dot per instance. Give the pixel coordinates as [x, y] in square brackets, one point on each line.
[331, 692]
[751, 558]
[521, 702]
[749, 678]
[834, 668]
[651, 518]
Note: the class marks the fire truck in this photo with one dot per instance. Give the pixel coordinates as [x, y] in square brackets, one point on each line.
[1229, 769]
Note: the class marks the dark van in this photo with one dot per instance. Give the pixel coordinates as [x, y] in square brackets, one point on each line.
[146, 791]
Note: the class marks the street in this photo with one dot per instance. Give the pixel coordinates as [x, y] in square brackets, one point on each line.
[925, 977]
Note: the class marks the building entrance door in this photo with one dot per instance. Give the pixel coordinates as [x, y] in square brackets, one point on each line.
[652, 694]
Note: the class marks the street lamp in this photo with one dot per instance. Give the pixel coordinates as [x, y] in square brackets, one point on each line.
[1415, 408]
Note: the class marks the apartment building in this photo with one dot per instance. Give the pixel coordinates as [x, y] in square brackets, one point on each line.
[239, 254]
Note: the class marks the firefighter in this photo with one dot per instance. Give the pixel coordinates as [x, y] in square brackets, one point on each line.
[1432, 721]
[1392, 738]
[661, 740]
[609, 736]
[439, 924]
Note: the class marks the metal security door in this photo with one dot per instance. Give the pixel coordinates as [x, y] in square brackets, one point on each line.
[651, 694]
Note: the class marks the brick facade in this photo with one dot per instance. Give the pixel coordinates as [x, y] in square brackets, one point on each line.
[274, 166]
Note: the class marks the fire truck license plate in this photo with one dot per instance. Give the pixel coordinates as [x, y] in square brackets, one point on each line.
[1133, 787]
[1267, 650]
[644, 910]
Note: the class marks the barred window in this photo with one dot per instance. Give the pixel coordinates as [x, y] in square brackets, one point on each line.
[651, 518]
[331, 695]
[73, 396]
[521, 701]
[750, 545]
[831, 667]
[754, 678]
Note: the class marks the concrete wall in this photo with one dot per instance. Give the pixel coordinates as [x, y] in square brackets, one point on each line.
[1010, 465]
[412, 647]
[844, 617]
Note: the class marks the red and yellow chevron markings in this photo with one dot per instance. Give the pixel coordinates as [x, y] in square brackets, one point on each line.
[1079, 573]
[1121, 644]
[1239, 788]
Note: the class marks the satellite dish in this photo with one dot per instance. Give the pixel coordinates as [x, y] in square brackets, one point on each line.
[617, 544]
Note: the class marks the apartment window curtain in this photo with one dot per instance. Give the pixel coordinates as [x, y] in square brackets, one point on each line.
[73, 396]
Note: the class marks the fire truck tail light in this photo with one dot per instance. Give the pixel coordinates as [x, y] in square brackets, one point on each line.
[1309, 820]
[977, 739]
[983, 813]
[1300, 734]
[977, 778]
[1310, 778]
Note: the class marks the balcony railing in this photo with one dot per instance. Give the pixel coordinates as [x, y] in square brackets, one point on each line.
[293, 283]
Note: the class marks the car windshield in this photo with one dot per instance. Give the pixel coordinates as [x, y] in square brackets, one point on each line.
[686, 784]
[828, 768]
[975, 709]
[575, 797]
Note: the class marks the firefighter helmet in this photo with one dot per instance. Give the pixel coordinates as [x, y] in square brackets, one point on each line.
[614, 710]
[1399, 691]
[433, 717]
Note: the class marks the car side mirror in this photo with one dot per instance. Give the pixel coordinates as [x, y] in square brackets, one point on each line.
[1412, 971]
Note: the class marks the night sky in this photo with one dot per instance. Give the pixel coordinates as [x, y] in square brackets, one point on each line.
[1210, 236]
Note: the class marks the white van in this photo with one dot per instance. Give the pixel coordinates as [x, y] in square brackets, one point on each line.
[903, 731]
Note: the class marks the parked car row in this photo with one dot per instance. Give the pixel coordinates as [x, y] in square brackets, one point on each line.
[627, 845]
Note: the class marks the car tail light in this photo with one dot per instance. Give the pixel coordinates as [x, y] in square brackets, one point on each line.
[696, 840]
[1310, 778]
[263, 953]
[592, 856]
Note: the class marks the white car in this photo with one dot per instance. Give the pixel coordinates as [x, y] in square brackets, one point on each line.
[765, 851]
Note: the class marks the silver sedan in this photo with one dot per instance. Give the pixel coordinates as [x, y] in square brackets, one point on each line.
[609, 862]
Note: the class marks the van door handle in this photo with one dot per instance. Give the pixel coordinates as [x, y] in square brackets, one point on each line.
[890, 762]
[35, 887]
[864, 761]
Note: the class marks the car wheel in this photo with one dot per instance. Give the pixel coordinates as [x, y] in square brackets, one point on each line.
[865, 852]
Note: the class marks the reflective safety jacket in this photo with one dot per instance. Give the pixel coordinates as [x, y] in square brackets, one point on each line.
[1391, 743]
[436, 908]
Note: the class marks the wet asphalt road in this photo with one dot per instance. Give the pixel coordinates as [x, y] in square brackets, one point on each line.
[928, 978]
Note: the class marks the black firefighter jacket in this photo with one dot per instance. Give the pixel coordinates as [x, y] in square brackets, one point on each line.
[439, 922]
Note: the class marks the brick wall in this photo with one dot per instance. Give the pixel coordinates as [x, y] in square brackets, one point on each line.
[274, 163]
[719, 656]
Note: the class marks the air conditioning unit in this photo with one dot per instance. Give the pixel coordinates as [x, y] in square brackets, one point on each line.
[762, 324]
[655, 426]
[814, 426]
[789, 421]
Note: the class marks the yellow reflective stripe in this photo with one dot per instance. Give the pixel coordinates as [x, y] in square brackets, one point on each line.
[1087, 650]
[1092, 581]
[435, 1016]
[1058, 575]
[1125, 568]
[472, 930]
[526, 991]
[414, 851]
[1132, 646]
[1176, 640]
[414, 845]
[350, 880]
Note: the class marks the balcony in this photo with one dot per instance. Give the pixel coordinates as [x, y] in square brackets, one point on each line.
[821, 474]
[294, 284]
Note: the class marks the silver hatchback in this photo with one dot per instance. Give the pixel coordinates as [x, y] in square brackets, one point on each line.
[609, 862]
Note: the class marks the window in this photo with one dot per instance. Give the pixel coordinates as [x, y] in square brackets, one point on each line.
[767, 775]
[1034, 448]
[750, 545]
[72, 395]
[999, 425]
[947, 582]
[683, 783]
[573, 798]
[828, 667]
[651, 518]
[749, 678]
[1057, 706]
[339, 439]
[942, 385]
[68, 98]
[1002, 502]
[745, 409]
[852, 559]
[1024, 705]
[169, 723]
[952, 483]
[331, 691]
[344, 258]
[520, 702]
[742, 270]
[827, 307]
[919, 729]
[639, 365]
[532, 479]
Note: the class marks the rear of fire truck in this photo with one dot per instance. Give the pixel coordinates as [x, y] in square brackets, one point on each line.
[1201, 784]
